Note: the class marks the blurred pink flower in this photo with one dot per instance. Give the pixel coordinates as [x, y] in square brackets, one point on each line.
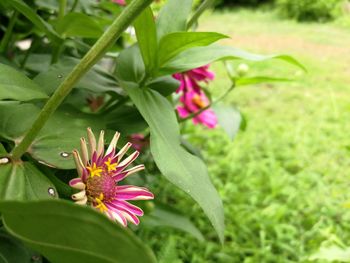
[189, 79]
[120, 2]
[138, 141]
[99, 176]
[192, 102]
[193, 98]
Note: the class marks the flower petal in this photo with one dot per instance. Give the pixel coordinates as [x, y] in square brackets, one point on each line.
[130, 192]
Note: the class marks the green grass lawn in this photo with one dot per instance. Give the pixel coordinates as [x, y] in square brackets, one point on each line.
[284, 181]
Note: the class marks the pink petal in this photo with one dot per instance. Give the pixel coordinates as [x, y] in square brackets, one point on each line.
[130, 192]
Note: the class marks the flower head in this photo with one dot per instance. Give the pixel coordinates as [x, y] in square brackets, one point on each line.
[189, 80]
[193, 102]
[139, 141]
[193, 98]
[120, 2]
[99, 175]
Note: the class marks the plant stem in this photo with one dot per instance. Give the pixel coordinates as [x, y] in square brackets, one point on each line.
[195, 114]
[91, 57]
[204, 6]
[7, 37]
[74, 6]
[62, 9]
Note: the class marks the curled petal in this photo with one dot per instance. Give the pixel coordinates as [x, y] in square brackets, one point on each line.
[92, 141]
[82, 201]
[113, 143]
[101, 144]
[130, 192]
[120, 176]
[79, 196]
[84, 151]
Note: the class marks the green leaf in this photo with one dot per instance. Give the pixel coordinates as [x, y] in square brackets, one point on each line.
[147, 38]
[173, 17]
[199, 56]
[28, 12]
[164, 85]
[126, 120]
[130, 67]
[15, 85]
[257, 80]
[172, 44]
[180, 167]
[84, 236]
[12, 250]
[229, 119]
[78, 25]
[23, 181]
[166, 217]
[61, 134]
[96, 80]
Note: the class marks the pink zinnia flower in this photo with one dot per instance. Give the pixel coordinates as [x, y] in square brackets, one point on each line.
[193, 98]
[120, 2]
[192, 103]
[189, 79]
[99, 176]
[138, 141]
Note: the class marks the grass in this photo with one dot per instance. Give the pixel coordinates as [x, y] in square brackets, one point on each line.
[284, 180]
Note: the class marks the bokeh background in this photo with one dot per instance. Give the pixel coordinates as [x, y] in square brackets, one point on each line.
[284, 179]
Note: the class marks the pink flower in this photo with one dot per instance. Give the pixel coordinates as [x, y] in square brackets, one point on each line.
[189, 79]
[120, 2]
[99, 176]
[192, 102]
[193, 98]
[138, 141]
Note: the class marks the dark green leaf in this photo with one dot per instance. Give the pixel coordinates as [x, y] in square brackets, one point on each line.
[180, 167]
[12, 250]
[164, 85]
[23, 181]
[172, 44]
[28, 12]
[96, 80]
[147, 38]
[79, 25]
[229, 119]
[173, 17]
[165, 217]
[57, 139]
[199, 56]
[92, 238]
[15, 85]
[126, 120]
[130, 68]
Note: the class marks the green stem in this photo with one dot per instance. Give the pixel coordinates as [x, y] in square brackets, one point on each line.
[195, 114]
[91, 57]
[7, 37]
[204, 6]
[74, 6]
[62, 9]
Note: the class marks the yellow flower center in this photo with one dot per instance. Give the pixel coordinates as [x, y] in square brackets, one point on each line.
[100, 205]
[111, 166]
[94, 170]
[198, 101]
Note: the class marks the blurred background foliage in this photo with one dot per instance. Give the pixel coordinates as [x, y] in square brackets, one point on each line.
[301, 10]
